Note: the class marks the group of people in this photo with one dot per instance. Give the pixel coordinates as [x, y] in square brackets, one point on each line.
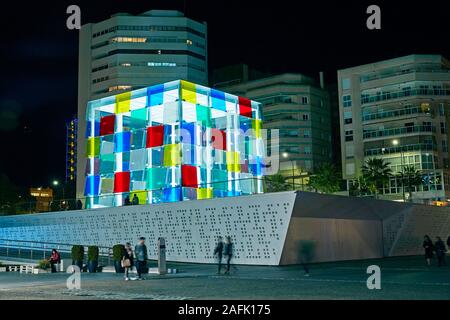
[224, 249]
[133, 202]
[438, 247]
[128, 259]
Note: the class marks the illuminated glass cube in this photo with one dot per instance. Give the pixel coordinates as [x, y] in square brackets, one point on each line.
[171, 142]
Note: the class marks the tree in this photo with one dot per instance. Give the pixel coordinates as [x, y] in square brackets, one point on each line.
[359, 187]
[376, 173]
[276, 183]
[327, 179]
[410, 177]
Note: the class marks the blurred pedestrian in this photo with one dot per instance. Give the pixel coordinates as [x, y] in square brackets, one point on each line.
[140, 250]
[228, 252]
[440, 251]
[218, 251]
[55, 258]
[429, 248]
[127, 201]
[135, 200]
[127, 260]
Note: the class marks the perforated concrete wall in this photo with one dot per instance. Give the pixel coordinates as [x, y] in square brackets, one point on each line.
[257, 225]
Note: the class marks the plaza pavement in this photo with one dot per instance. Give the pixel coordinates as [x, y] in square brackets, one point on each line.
[401, 278]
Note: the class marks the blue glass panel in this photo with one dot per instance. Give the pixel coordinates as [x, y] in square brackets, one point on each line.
[96, 129]
[172, 194]
[256, 166]
[122, 141]
[92, 186]
[155, 95]
[218, 100]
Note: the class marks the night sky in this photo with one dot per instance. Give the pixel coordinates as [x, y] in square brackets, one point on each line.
[39, 62]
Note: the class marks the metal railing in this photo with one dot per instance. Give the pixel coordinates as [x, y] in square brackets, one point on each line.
[246, 186]
[398, 131]
[35, 250]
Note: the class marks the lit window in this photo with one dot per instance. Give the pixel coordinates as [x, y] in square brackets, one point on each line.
[189, 42]
[129, 39]
[125, 64]
[115, 88]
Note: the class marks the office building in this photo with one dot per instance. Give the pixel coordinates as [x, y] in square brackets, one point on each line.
[172, 142]
[398, 110]
[299, 108]
[128, 52]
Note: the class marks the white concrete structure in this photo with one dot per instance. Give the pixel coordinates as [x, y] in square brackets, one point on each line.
[267, 229]
[127, 52]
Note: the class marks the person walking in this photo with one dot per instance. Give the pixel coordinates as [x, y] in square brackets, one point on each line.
[127, 260]
[55, 258]
[127, 201]
[135, 200]
[228, 251]
[429, 247]
[218, 251]
[440, 251]
[140, 251]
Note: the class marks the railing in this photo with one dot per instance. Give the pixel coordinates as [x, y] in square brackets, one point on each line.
[398, 149]
[246, 186]
[397, 131]
[395, 113]
[35, 250]
[399, 73]
[383, 96]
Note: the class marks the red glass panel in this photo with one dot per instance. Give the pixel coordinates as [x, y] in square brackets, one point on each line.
[121, 182]
[189, 176]
[155, 136]
[107, 125]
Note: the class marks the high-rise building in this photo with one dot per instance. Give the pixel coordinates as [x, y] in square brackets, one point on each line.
[128, 52]
[300, 108]
[399, 110]
[171, 142]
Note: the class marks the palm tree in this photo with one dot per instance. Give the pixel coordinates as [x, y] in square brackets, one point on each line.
[276, 183]
[410, 177]
[376, 173]
[327, 179]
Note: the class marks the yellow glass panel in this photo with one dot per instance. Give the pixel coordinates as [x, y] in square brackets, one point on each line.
[204, 193]
[188, 92]
[172, 155]
[93, 147]
[141, 194]
[233, 164]
[256, 126]
[123, 102]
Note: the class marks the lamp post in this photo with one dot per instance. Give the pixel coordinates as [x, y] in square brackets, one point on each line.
[56, 184]
[395, 143]
[286, 156]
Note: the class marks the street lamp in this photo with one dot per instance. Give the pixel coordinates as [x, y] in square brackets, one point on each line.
[395, 142]
[286, 156]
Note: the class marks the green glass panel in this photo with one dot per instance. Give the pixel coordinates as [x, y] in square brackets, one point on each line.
[156, 178]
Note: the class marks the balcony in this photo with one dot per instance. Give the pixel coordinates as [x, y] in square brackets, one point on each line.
[385, 96]
[397, 131]
[396, 113]
[397, 149]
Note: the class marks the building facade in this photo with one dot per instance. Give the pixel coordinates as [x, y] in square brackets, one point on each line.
[398, 110]
[172, 142]
[299, 108]
[127, 52]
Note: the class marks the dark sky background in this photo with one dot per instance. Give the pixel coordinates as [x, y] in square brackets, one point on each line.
[39, 63]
